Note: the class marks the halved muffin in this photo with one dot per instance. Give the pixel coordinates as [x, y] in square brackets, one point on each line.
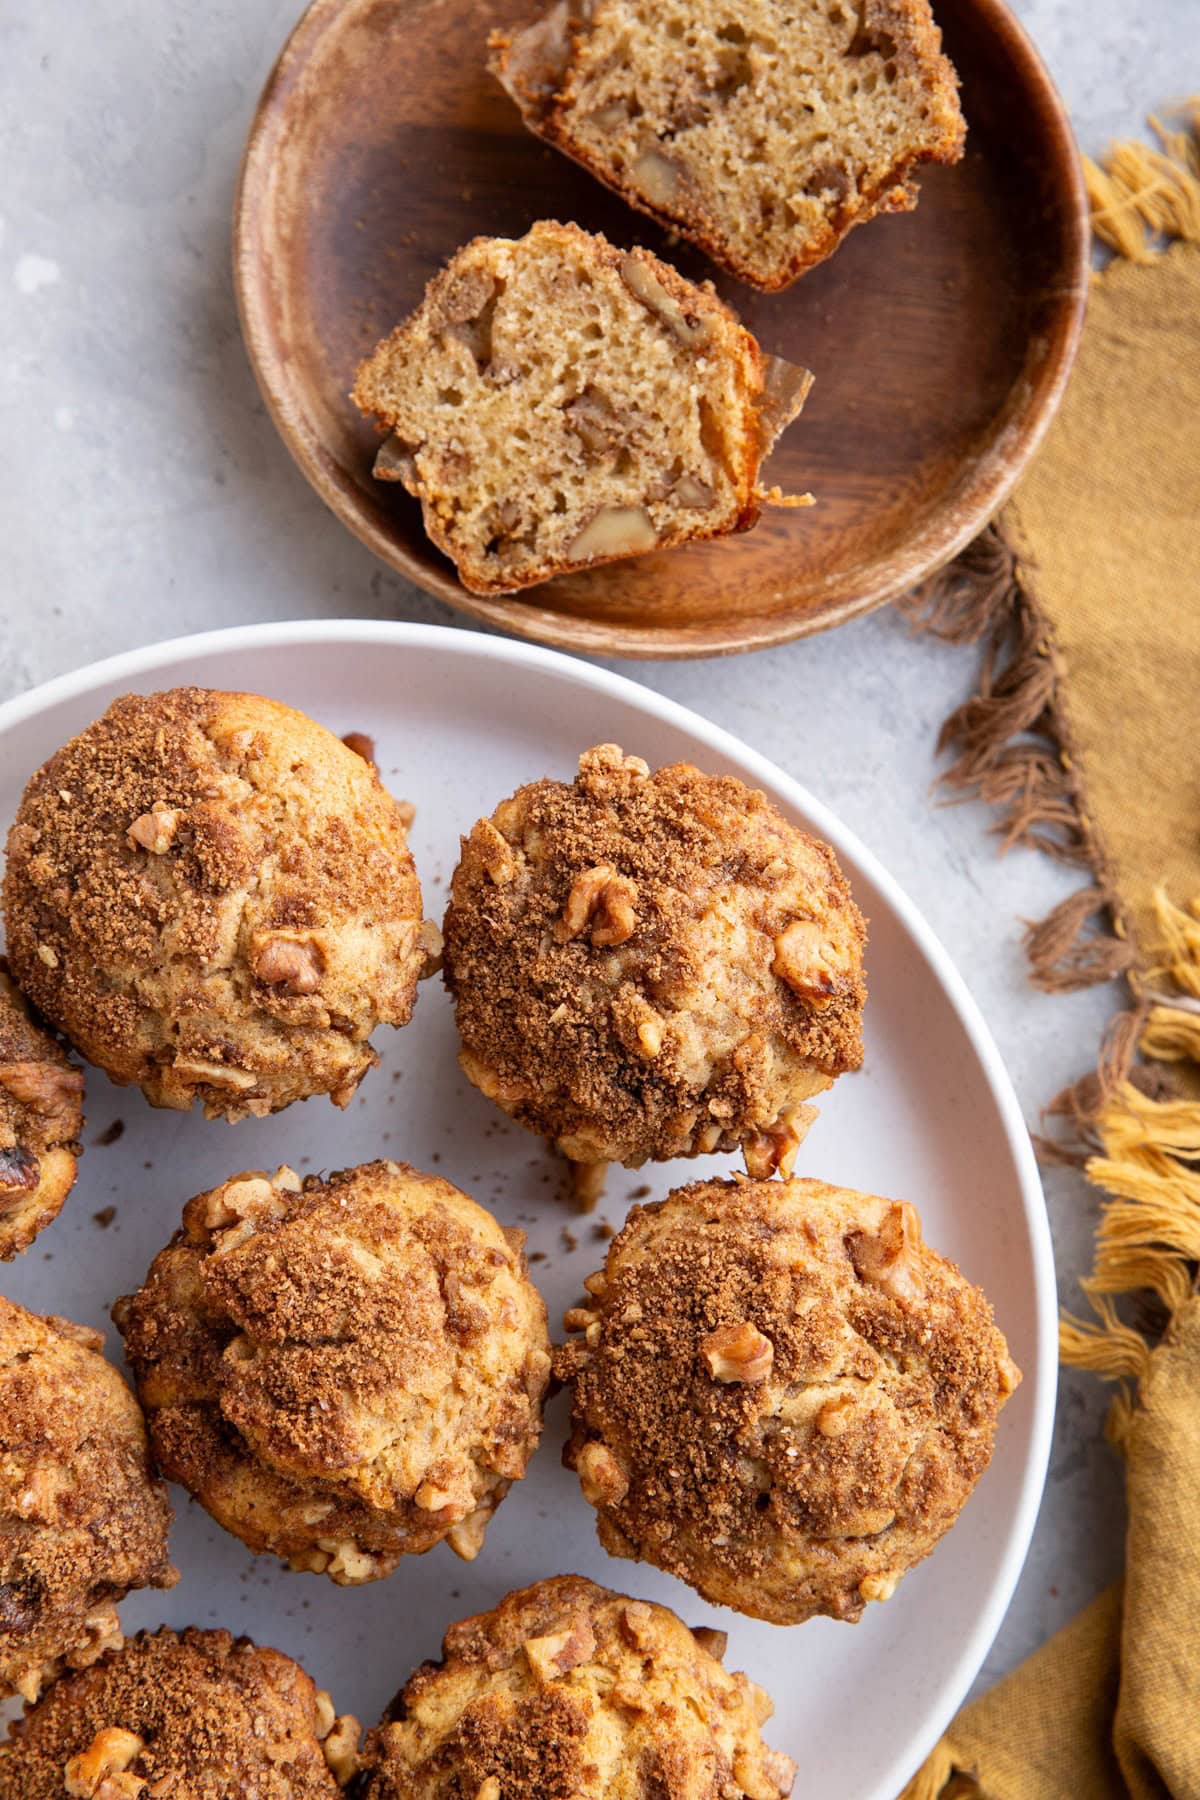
[762, 132]
[555, 402]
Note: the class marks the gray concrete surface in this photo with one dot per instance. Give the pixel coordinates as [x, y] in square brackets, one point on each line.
[145, 494]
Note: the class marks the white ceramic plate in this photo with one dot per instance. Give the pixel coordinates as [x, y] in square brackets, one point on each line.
[459, 721]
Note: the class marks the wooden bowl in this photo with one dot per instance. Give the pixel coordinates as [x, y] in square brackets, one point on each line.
[941, 340]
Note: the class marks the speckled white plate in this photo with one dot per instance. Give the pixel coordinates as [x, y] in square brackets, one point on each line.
[459, 720]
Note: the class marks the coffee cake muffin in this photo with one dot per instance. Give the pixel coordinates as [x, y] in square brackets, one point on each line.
[213, 897]
[782, 1395]
[193, 1715]
[41, 1116]
[653, 965]
[342, 1371]
[83, 1518]
[555, 403]
[762, 132]
[569, 1692]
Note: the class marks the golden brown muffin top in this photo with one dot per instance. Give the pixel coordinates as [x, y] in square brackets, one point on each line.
[651, 965]
[41, 1116]
[567, 1691]
[213, 897]
[341, 1370]
[83, 1518]
[197, 1715]
[782, 1395]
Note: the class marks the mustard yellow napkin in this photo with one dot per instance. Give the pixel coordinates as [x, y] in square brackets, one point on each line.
[1085, 734]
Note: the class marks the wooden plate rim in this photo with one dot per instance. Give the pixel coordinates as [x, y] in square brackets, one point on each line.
[964, 513]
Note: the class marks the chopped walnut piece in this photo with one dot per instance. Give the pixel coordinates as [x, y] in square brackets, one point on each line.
[466, 1538]
[495, 853]
[689, 490]
[341, 1748]
[19, 1174]
[715, 1642]
[773, 1150]
[592, 418]
[637, 1623]
[48, 1089]
[690, 328]
[836, 1416]
[602, 1479]
[429, 937]
[250, 1199]
[294, 962]
[156, 830]
[603, 761]
[109, 1754]
[890, 1259]
[394, 461]
[603, 900]
[556, 1655]
[614, 531]
[431, 1496]
[879, 1587]
[810, 962]
[738, 1353]
[755, 1782]
[490, 1789]
[659, 178]
[213, 1074]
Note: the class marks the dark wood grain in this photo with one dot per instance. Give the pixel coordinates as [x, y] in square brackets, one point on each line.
[941, 340]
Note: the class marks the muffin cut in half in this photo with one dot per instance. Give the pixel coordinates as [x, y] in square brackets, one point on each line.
[556, 402]
[762, 132]
[567, 1691]
[782, 1395]
[342, 1371]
